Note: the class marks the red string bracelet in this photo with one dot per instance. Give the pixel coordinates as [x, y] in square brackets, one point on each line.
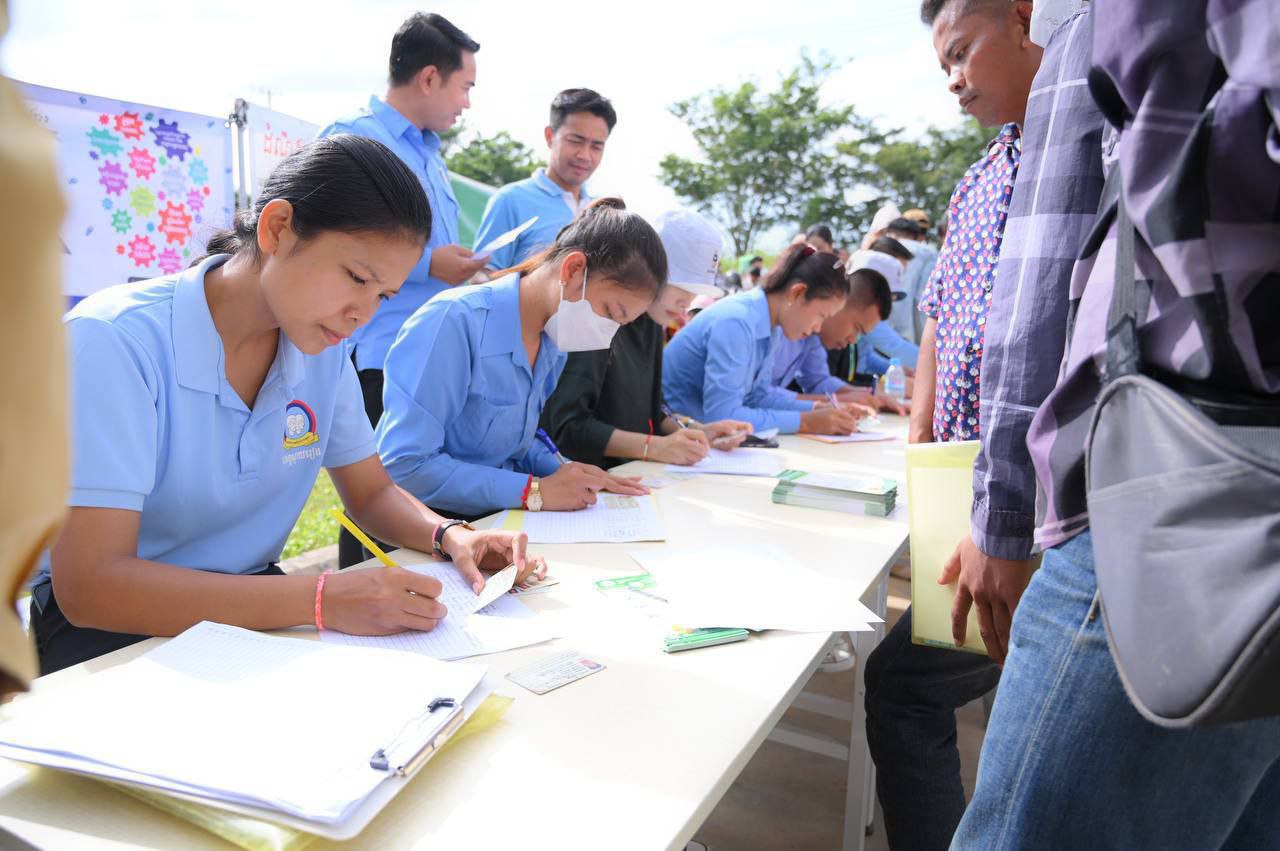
[320, 598]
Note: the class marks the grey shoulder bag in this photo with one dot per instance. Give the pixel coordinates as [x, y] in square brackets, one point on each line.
[1183, 482]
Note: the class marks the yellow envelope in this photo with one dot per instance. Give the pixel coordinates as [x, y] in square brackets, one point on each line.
[939, 499]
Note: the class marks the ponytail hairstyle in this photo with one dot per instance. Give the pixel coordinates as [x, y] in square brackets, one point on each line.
[820, 272]
[339, 183]
[619, 244]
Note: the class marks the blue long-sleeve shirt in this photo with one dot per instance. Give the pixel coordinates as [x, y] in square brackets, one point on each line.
[805, 362]
[461, 401]
[420, 151]
[720, 366]
[881, 343]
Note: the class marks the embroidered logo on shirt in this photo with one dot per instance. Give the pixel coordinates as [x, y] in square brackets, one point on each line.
[299, 425]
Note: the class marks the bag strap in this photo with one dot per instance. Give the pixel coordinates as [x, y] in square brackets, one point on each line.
[1123, 356]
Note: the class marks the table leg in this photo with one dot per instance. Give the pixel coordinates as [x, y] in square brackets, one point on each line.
[859, 807]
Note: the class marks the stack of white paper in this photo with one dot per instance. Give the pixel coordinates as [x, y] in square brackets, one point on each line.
[232, 717]
[754, 587]
[739, 462]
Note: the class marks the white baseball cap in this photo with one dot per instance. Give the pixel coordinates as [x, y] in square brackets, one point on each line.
[876, 261]
[883, 216]
[693, 248]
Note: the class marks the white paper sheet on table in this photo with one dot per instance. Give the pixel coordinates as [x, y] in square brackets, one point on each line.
[739, 462]
[754, 587]
[175, 718]
[856, 437]
[614, 519]
[502, 240]
[504, 624]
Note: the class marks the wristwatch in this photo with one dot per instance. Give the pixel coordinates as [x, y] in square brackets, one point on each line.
[534, 501]
[437, 539]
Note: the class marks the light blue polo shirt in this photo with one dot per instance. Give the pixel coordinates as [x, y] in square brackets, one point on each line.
[514, 204]
[720, 366]
[805, 362]
[156, 428]
[420, 151]
[461, 402]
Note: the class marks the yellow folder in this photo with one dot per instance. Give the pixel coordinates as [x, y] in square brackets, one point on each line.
[939, 499]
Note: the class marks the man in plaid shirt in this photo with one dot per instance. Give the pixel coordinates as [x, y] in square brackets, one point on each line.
[1191, 91]
[913, 691]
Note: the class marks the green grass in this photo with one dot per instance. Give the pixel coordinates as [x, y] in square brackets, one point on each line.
[316, 527]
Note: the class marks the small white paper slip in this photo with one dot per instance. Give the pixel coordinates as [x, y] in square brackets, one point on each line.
[555, 671]
[503, 240]
[767, 434]
[457, 595]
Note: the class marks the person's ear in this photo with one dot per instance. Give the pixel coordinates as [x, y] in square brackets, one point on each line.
[571, 269]
[1022, 10]
[429, 79]
[549, 134]
[797, 291]
[275, 226]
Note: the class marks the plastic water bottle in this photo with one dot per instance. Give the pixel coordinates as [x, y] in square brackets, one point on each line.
[895, 380]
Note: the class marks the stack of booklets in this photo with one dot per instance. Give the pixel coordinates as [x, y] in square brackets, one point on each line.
[243, 722]
[855, 494]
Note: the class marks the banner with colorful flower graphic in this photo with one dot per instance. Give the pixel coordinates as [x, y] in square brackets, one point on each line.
[145, 186]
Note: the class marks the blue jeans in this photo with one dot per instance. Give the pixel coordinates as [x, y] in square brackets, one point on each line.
[912, 694]
[1069, 763]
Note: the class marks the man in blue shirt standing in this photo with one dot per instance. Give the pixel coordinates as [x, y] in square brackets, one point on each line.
[581, 121]
[432, 72]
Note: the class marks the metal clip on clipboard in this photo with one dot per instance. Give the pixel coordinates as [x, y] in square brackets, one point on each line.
[381, 759]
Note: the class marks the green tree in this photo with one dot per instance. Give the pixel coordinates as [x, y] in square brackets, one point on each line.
[495, 160]
[923, 173]
[765, 155]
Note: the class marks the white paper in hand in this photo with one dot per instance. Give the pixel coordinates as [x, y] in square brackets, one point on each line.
[502, 241]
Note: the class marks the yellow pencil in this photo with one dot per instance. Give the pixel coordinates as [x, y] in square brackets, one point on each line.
[362, 537]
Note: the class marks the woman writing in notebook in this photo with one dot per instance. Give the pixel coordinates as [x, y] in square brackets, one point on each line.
[608, 406]
[720, 365]
[467, 378]
[204, 405]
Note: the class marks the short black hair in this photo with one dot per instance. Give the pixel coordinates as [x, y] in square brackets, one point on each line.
[931, 9]
[906, 227]
[427, 39]
[889, 245]
[867, 286]
[754, 259]
[822, 232]
[570, 101]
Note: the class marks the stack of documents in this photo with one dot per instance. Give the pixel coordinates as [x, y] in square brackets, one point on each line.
[854, 494]
[754, 587]
[244, 721]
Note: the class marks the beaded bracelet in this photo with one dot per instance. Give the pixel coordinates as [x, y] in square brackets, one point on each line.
[319, 598]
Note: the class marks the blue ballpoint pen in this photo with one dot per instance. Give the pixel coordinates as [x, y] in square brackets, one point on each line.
[545, 440]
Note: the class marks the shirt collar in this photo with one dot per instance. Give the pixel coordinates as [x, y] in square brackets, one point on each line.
[195, 338]
[549, 186]
[502, 332]
[759, 305]
[394, 121]
[1010, 136]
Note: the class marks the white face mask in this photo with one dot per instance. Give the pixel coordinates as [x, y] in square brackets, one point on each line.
[1047, 15]
[576, 327]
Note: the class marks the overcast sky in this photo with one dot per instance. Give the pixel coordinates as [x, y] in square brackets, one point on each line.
[323, 58]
